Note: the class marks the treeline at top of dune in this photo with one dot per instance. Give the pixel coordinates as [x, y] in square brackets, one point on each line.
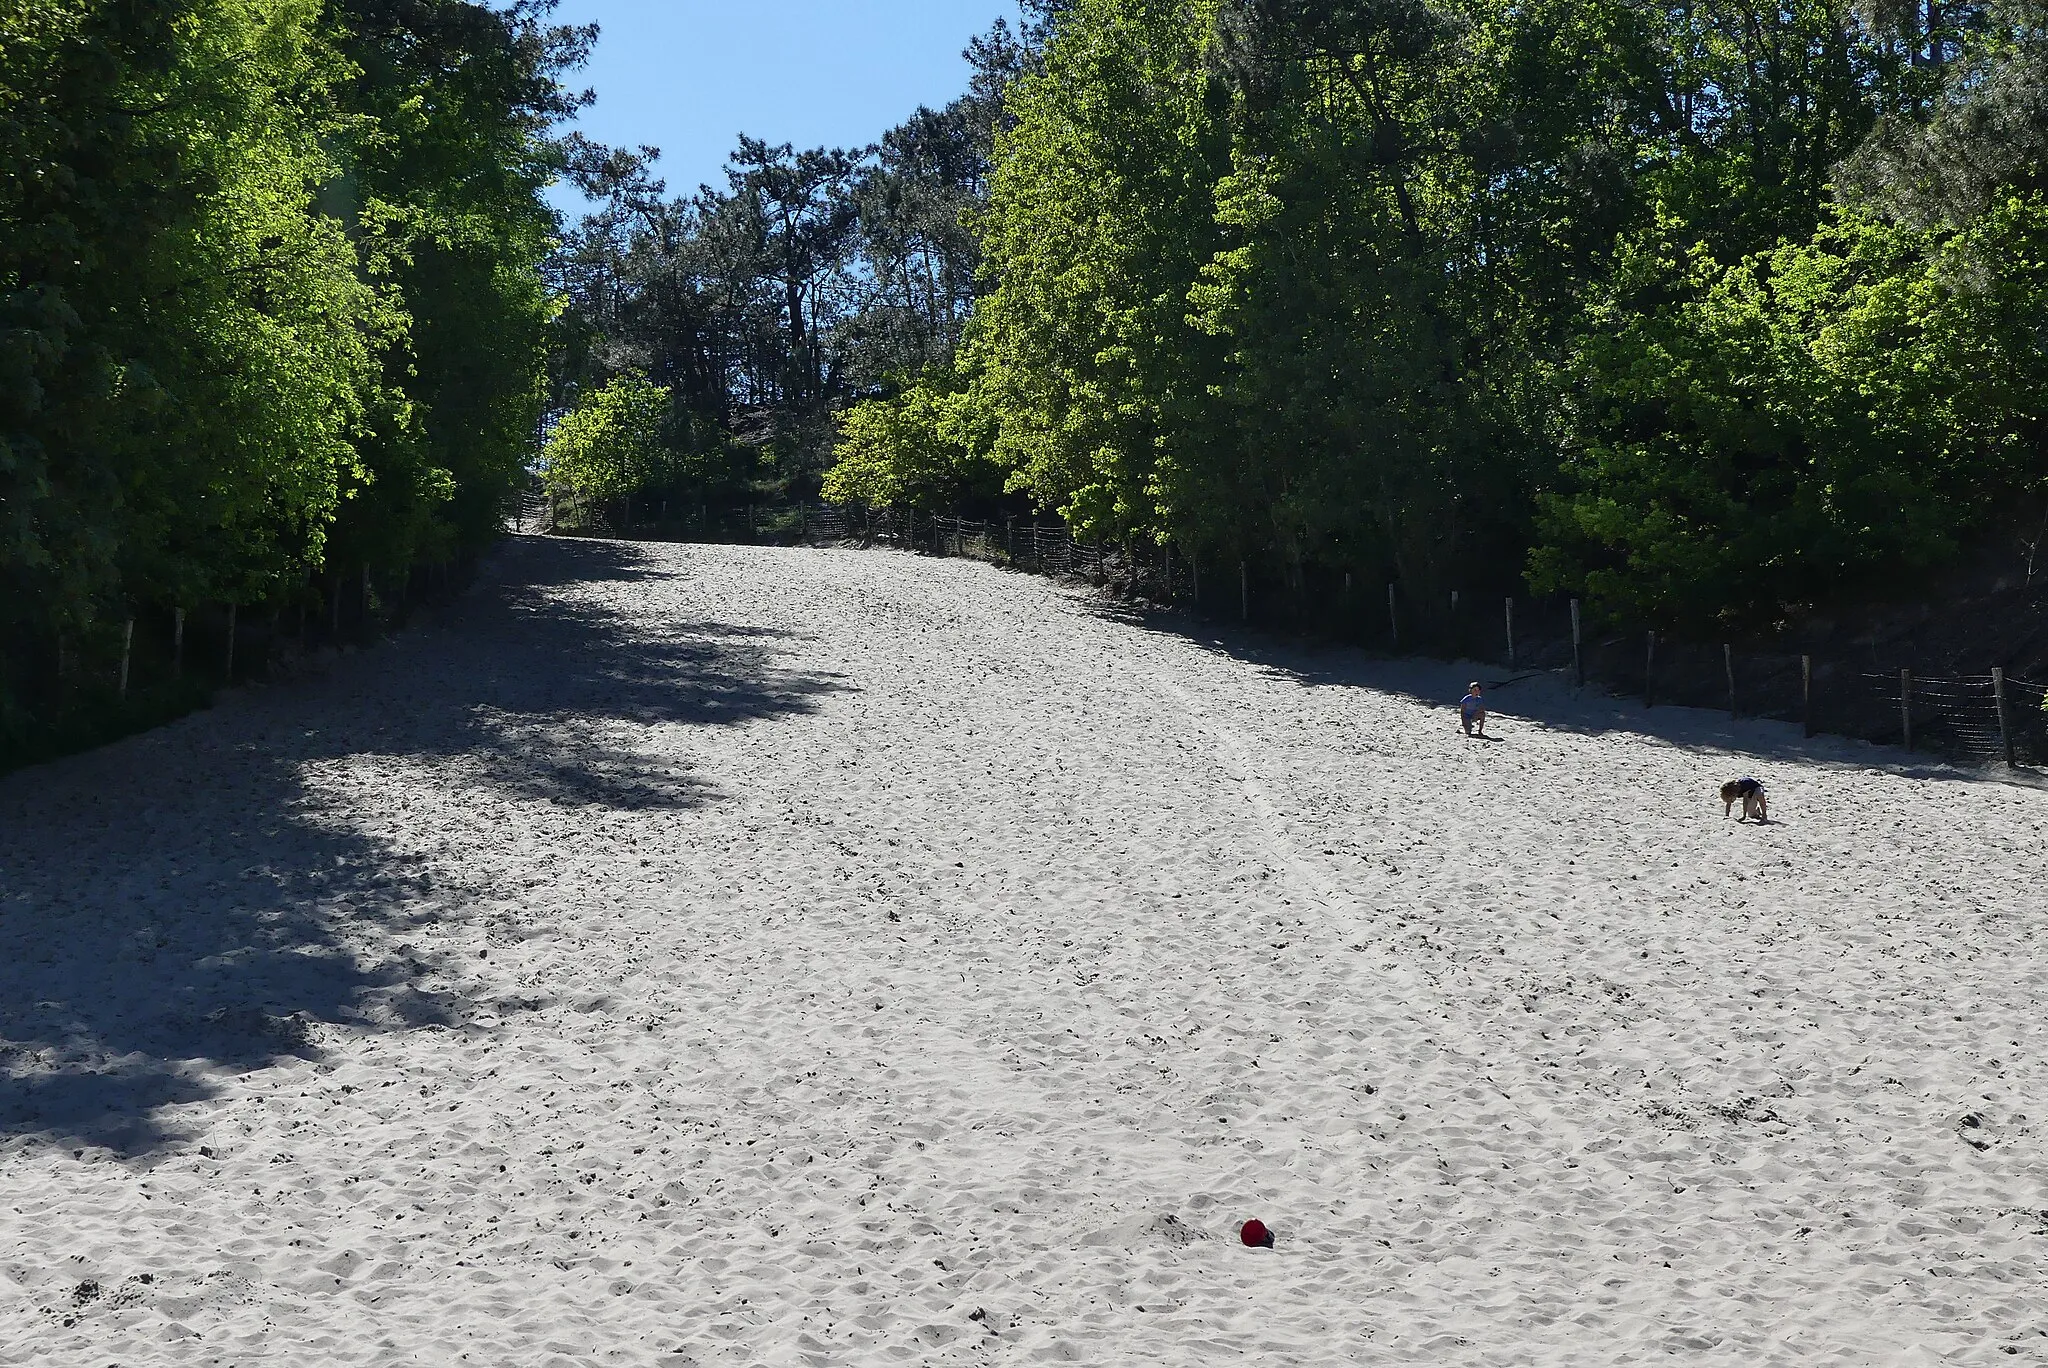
[1702, 311]
[271, 300]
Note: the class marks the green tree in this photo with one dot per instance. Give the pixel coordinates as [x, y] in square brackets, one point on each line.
[269, 289]
[923, 449]
[194, 347]
[1101, 214]
[612, 443]
[455, 104]
[1749, 437]
[1285, 281]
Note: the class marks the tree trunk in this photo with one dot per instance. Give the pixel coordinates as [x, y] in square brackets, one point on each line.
[799, 363]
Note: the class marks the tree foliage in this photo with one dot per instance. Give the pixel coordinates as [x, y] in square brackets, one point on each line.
[269, 293]
[812, 280]
[1708, 312]
[916, 449]
[611, 444]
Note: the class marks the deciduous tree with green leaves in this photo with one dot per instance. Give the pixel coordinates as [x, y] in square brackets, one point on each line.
[269, 291]
[612, 443]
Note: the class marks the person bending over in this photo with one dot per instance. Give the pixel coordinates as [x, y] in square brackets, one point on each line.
[1750, 793]
[1472, 711]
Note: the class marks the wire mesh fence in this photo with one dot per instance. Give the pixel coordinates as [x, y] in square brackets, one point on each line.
[1980, 717]
[532, 512]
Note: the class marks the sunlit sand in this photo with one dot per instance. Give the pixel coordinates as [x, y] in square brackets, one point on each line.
[707, 955]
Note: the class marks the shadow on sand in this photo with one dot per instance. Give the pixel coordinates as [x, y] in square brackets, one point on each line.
[1547, 698]
[172, 906]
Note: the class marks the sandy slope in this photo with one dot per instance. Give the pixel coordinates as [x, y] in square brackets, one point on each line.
[733, 956]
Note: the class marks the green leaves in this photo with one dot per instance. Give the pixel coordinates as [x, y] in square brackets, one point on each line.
[921, 449]
[1810, 423]
[610, 444]
[1413, 290]
[268, 276]
[206, 346]
[1101, 215]
[450, 149]
[1275, 280]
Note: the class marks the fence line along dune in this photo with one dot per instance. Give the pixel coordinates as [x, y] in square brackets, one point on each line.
[738, 955]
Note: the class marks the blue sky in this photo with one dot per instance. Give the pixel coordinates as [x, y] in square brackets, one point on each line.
[689, 76]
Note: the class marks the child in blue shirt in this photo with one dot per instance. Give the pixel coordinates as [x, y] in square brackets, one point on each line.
[1472, 709]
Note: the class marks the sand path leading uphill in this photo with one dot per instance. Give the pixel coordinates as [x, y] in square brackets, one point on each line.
[701, 955]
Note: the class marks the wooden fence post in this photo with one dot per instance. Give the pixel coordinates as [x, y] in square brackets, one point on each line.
[1195, 572]
[1166, 556]
[1806, 694]
[1010, 538]
[1511, 631]
[1906, 706]
[177, 643]
[1244, 593]
[232, 610]
[1578, 660]
[1728, 664]
[2004, 727]
[128, 643]
[1393, 619]
[1650, 674]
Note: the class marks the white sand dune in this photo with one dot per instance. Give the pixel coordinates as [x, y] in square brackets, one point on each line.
[702, 955]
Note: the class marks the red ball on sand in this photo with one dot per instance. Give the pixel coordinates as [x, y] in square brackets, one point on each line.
[1255, 1234]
